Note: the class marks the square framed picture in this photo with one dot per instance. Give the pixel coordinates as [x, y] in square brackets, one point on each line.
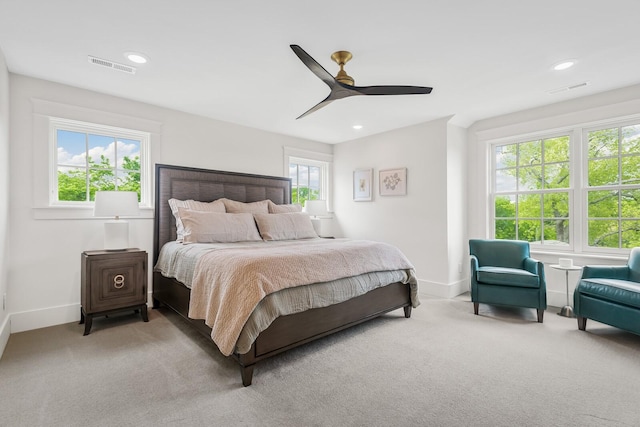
[362, 185]
[393, 182]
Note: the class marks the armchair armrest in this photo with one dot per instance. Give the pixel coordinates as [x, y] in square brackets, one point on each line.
[474, 264]
[606, 272]
[533, 265]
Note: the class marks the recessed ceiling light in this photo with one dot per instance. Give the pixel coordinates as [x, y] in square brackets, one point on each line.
[136, 57]
[357, 127]
[564, 65]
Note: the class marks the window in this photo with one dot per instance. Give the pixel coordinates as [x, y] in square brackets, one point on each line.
[531, 191]
[90, 157]
[310, 174]
[305, 181]
[613, 187]
[535, 182]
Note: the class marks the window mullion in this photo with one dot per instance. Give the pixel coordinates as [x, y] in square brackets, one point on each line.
[87, 168]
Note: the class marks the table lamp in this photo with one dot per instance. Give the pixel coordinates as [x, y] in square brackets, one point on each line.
[315, 208]
[116, 204]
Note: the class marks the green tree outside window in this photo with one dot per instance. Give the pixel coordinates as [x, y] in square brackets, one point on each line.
[531, 182]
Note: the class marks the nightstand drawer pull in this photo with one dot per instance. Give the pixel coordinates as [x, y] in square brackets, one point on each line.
[118, 281]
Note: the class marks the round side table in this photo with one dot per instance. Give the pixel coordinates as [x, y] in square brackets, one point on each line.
[567, 310]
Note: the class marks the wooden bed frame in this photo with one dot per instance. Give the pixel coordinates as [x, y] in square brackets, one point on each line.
[285, 332]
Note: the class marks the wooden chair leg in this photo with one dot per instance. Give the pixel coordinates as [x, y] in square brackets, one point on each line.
[475, 308]
[582, 323]
[540, 315]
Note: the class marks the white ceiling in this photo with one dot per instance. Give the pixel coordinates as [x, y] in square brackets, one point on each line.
[230, 60]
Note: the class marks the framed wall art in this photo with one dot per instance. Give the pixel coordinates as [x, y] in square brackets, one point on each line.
[362, 179]
[393, 182]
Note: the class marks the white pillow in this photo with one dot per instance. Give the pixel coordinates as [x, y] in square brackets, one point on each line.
[285, 226]
[275, 209]
[233, 206]
[214, 227]
[175, 204]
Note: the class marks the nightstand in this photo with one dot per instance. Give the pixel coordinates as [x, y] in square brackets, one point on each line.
[112, 281]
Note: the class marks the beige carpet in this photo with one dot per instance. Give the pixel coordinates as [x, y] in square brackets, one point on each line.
[442, 367]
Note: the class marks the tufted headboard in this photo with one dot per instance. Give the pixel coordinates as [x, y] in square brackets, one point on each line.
[207, 185]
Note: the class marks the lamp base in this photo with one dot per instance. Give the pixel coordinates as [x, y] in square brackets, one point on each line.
[116, 235]
[566, 311]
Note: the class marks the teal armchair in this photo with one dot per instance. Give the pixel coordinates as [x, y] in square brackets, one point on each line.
[503, 273]
[610, 295]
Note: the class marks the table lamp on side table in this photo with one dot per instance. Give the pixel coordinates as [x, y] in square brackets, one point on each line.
[316, 210]
[116, 204]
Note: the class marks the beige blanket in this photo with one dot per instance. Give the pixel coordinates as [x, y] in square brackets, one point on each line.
[229, 283]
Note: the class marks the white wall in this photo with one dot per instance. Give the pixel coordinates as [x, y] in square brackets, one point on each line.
[422, 223]
[605, 106]
[4, 199]
[457, 248]
[44, 267]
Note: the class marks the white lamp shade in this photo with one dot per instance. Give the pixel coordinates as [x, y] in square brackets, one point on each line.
[116, 204]
[315, 207]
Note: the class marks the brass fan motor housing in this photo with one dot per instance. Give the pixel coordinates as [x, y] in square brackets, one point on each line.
[341, 57]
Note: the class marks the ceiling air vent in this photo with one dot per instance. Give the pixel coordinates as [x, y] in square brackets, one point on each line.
[113, 65]
[567, 88]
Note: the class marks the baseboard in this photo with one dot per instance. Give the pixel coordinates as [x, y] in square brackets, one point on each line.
[36, 319]
[5, 331]
[558, 298]
[443, 290]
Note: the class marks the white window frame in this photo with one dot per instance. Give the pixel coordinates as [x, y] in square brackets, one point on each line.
[312, 158]
[45, 162]
[584, 132]
[56, 124]
[570, 189]
[578, 202]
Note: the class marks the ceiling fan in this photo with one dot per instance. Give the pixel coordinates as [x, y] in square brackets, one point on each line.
[342, 86]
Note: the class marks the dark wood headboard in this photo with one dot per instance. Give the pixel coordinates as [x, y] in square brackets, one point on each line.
[206, 186]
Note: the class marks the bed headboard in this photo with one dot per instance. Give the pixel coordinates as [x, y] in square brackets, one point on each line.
[208, 185]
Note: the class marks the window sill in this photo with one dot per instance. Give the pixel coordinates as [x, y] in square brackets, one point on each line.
[580, 258]
[79, 212]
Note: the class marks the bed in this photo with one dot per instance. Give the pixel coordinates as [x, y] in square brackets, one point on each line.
[285, 331]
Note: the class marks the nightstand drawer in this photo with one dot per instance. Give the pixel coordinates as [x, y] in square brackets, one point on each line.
[116, 284]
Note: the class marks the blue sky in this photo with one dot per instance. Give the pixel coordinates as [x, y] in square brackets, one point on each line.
[72, 148]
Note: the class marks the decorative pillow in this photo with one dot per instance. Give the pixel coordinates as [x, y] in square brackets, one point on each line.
[285, 226]
[175, 204]
[233, 206]
[275, 209]
[214, 227]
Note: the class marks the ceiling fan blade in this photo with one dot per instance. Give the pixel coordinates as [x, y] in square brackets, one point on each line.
[313, 65]
[393, 90]
[328, 100]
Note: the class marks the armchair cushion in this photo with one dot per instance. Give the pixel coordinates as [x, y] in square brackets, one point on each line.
[619, 291]
[507, 276]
